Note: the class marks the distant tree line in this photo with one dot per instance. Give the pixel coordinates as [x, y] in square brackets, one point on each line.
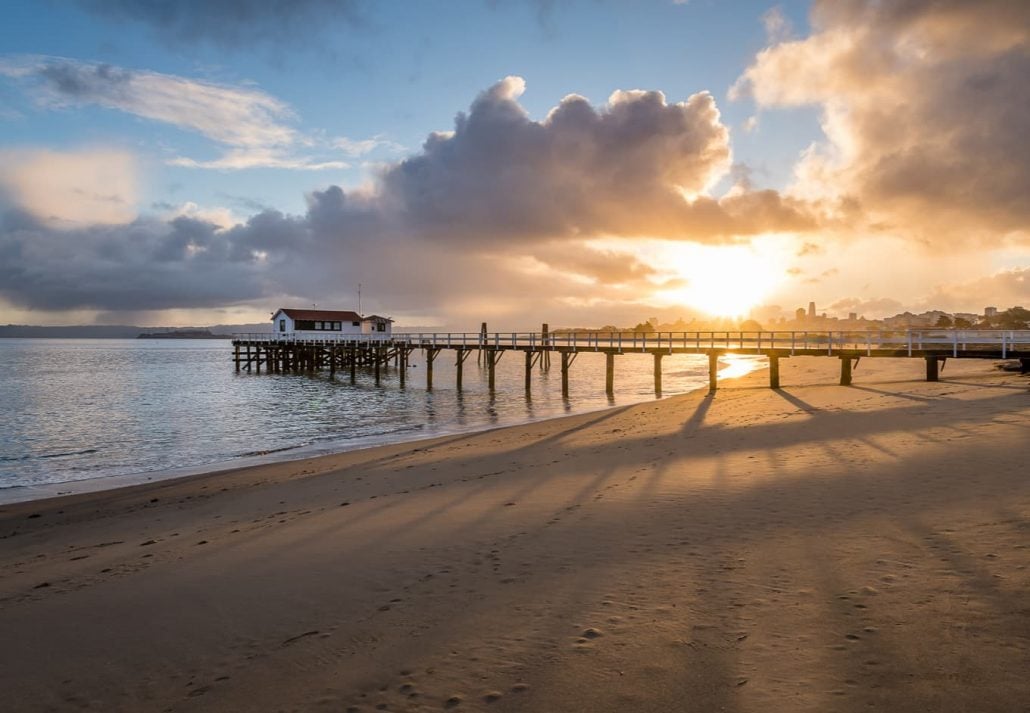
[1012, 318]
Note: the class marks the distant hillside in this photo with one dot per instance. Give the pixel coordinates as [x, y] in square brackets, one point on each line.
[183, 334]
[94, 331]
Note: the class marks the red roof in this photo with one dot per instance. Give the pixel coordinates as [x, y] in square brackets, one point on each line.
[327, 315]
[377, 318]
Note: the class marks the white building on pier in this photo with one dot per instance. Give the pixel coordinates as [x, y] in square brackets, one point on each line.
[328, 323]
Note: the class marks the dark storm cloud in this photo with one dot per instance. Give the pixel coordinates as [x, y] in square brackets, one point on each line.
[233, 23]
[85, 83]
[461, 219]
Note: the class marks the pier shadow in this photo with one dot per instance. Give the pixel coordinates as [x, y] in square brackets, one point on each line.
[697, 418]
[720, 523]
[795, 401]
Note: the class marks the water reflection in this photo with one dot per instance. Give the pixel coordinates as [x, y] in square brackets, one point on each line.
[84, 408]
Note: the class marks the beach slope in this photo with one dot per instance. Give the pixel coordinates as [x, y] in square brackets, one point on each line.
[814, 548]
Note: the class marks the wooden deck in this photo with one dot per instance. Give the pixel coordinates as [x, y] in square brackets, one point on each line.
[278, 353]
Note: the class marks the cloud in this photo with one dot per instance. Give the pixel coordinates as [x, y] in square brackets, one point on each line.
[924, 105]
[256, 127]
[65, 189]
[234, 24]
[467, 224]
[1007, 288]
[638, 167]
[871, 308]
[351, 147]
[778, 27]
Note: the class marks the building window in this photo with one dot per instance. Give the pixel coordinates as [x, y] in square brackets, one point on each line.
[337, 327]
[318, 325]
[282, 325]
[381, 327]
[355, 324]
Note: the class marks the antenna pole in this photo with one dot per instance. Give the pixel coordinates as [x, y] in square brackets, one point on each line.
[360, 314]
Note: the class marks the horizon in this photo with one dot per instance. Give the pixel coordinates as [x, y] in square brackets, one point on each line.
[596, 164]
[982, 320]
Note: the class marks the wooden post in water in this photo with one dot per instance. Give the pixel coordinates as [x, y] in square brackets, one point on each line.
[236, 349]
[353, 364]
[459, 364]
[402, 363]
[545, 356]
[774, 371]
[529, 371]
[609, 373]
[713, 371]
[377, 358]
[565, 374]
[332, 362]
[845, 371]
[658, 372]
[932, 369]
[430, 356]
[491, 364]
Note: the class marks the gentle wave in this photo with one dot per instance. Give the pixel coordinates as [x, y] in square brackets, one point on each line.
[130, 407]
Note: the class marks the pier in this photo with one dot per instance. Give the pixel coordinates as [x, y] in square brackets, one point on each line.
[285, 353]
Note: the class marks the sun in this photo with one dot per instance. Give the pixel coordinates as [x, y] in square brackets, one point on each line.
[722, 281]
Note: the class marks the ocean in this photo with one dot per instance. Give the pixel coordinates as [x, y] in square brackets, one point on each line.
[85, 414]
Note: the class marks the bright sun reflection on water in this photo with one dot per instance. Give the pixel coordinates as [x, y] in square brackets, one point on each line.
[734, 365]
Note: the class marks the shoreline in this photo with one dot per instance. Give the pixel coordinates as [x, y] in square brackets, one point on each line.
[15, 494]
[811, 548]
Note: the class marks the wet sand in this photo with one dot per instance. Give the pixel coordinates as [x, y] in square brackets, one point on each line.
[816, 548]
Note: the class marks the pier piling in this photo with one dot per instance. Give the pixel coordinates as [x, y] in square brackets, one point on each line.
[845, 371]
[932, 369]
[492, 357]
[289, 354]
[430, 358]
[459, 364]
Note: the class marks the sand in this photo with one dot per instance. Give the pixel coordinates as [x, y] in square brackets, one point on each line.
[817, 548]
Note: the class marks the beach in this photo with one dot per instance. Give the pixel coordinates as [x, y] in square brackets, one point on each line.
[813, 548]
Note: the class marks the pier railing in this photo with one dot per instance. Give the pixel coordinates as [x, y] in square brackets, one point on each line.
[910, 341]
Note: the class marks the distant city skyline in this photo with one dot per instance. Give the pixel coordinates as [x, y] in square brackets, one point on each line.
[571, 162]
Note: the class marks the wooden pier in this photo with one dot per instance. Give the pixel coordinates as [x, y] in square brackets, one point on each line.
[278, 353]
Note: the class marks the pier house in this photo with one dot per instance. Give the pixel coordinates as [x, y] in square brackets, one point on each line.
[306, 323]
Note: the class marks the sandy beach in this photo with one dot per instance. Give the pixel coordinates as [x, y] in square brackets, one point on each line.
[816, 548]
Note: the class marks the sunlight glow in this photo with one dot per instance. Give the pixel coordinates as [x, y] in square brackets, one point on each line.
[722, 281]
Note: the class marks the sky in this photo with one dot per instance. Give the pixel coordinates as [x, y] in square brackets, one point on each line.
[574, 162]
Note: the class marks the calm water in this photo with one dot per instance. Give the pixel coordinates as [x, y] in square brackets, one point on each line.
[74, 410]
